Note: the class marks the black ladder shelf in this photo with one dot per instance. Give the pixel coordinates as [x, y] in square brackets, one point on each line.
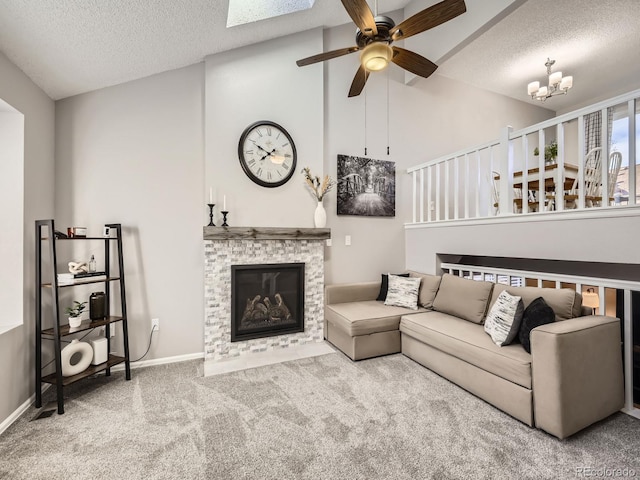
[58, 330]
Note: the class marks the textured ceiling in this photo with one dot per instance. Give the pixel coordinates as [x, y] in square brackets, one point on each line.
[596, 41]
[74, 46]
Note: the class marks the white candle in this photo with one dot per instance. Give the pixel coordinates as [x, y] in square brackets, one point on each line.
[210, 195]
[224, 202]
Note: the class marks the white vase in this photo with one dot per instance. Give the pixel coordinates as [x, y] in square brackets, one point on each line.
[86, 352]
[320, 216]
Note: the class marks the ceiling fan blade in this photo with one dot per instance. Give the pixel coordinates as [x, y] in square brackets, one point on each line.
[428, 18]
[361, 15]
[359, 82]
[321, 57]
[413, 62]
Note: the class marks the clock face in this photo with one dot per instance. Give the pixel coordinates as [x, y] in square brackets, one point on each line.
[267, 154]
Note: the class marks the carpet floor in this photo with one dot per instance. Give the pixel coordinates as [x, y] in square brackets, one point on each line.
[316, 418]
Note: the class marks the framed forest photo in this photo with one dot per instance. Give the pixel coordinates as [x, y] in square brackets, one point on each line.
[366, 187]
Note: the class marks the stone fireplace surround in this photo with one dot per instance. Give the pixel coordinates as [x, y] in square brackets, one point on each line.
[227, 246]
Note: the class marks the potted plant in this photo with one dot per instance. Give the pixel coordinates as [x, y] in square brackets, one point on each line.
[550, 152]
[319, 188]
[74, 313]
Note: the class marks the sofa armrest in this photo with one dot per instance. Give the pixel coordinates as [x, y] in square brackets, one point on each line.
[351, 292]
[577, 373]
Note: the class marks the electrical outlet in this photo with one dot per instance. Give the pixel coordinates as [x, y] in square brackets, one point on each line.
[328, 242]
[155, 324]
[347, 240]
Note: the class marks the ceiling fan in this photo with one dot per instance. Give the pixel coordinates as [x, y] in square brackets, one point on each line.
[375, 35]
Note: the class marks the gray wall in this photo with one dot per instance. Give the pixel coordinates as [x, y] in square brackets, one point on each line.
[132, 154]
[16, 346]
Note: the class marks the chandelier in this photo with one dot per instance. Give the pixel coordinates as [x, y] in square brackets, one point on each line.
[558, 85]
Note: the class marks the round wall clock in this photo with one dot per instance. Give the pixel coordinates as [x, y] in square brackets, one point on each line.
[267, 154]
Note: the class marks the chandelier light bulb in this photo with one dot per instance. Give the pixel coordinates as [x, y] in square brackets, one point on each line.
[566, 83]
[533, 87]
[555, 78]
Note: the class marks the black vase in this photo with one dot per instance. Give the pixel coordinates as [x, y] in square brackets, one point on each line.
[97, 305]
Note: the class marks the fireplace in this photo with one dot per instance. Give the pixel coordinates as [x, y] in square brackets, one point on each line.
[266, 300]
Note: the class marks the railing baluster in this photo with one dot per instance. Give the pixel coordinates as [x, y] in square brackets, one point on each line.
[414, 176]
[429, 186]
[628, 351]
[603, 301]
[542, 187]
[456, 187]
[604, 142]
[581, 157]
[478, 183]
[437, 192]
[467, 185]
[421, 195]
[631, 107]
[446, 190]
[560, 169]
[525, 174]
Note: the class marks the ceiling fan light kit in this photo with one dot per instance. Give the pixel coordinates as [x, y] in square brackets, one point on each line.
[375, 35]
[558, 85]
[376, 56]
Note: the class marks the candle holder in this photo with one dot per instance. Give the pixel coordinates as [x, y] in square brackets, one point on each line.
[211, 205]
[224, 217]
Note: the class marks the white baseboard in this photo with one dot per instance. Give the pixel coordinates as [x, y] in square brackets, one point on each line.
[20, 410]
[160, 361]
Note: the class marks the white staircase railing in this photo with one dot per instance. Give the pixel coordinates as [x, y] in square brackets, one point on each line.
[479, 182]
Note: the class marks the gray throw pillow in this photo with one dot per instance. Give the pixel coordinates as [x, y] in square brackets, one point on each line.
[403, 292]
[504, 318]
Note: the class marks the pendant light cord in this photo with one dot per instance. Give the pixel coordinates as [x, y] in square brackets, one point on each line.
[365, 121]
[387, 111]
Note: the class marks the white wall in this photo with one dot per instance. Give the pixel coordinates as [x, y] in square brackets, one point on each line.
[133, 154]
[16, 346]
[262, 82]
[11, 215]
[577, 239]
[434, 117]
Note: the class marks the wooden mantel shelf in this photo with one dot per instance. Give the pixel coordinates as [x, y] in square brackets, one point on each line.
[265, 233]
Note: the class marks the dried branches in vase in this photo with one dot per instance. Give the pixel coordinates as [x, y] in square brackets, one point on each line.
[319, 188]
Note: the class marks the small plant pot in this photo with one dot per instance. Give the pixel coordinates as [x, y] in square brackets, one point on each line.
[74, 322]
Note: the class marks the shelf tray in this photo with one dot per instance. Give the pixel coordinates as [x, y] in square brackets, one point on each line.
[113, 360]
[81, 238]
[83, 282]
[85, 325]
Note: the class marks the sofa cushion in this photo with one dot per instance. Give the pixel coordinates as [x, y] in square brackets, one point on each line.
[565, 302]
[428, 288]
[363, 318]
[403, 292]
[536, 314]
[468, 341]
[384, 285]
[504, 318]
[463, 298]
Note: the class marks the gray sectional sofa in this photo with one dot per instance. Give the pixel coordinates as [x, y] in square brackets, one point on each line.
[572, 378]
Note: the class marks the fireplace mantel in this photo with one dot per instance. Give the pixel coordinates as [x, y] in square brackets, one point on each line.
[265, 233]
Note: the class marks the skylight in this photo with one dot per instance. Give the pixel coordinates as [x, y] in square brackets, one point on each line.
[248, 11]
